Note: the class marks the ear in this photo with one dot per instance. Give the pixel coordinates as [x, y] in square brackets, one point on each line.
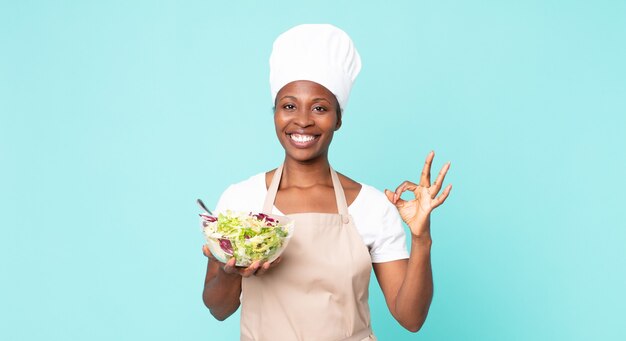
[338, 125]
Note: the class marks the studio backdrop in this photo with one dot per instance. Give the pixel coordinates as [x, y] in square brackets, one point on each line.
[115, 116]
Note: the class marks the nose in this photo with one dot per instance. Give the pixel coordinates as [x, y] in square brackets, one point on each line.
[303, 118]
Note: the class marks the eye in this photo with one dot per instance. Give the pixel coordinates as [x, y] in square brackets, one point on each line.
[289, 106]
[319, 108]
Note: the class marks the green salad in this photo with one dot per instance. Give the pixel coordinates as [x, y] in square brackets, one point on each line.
[247, 237]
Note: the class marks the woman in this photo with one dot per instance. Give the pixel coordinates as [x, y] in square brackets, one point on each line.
[318, 289]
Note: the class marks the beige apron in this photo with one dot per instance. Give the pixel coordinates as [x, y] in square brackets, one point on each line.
[319, 291]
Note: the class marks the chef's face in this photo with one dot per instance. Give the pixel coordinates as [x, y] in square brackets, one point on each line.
[306, 116]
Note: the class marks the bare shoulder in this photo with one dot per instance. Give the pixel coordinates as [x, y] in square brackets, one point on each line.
[350, 187]
[268, 177]
[347, 183]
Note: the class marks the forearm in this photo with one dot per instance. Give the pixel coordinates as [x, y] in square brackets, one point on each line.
[416, 292]
[221, 292]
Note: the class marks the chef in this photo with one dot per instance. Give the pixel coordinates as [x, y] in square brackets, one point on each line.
[318, 288]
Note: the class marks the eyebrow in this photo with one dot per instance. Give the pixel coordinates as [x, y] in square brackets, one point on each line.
[320, 99]
[282, 98]
[314, 99]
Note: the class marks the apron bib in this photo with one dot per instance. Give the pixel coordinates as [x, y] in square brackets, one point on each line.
[319, 291]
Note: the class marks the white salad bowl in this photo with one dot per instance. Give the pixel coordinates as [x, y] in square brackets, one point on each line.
[224, 248]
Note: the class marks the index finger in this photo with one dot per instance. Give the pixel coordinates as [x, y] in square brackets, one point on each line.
[250, 270]
[266, 266]
[425, 177]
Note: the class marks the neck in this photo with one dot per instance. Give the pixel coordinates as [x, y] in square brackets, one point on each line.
[306, 174]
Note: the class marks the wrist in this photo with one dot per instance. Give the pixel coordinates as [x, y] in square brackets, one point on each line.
[420, 230]
[423, 239]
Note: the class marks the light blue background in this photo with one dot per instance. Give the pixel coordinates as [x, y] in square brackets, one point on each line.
[115, 116]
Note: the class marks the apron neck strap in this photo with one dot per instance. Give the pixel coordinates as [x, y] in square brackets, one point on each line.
[271, 191]
[340, 197]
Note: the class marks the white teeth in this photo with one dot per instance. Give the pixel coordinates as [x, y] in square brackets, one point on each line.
[302, 138]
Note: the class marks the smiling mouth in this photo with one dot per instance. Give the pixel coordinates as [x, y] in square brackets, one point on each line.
[302, 140]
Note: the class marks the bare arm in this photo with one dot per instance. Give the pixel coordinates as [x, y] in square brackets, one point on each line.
[222, 284]
[221, 290]
[408, 284]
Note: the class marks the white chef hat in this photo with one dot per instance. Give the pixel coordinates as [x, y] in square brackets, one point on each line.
[320, 53]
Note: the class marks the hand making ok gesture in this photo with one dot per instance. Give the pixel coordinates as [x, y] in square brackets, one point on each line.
[416, 212]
